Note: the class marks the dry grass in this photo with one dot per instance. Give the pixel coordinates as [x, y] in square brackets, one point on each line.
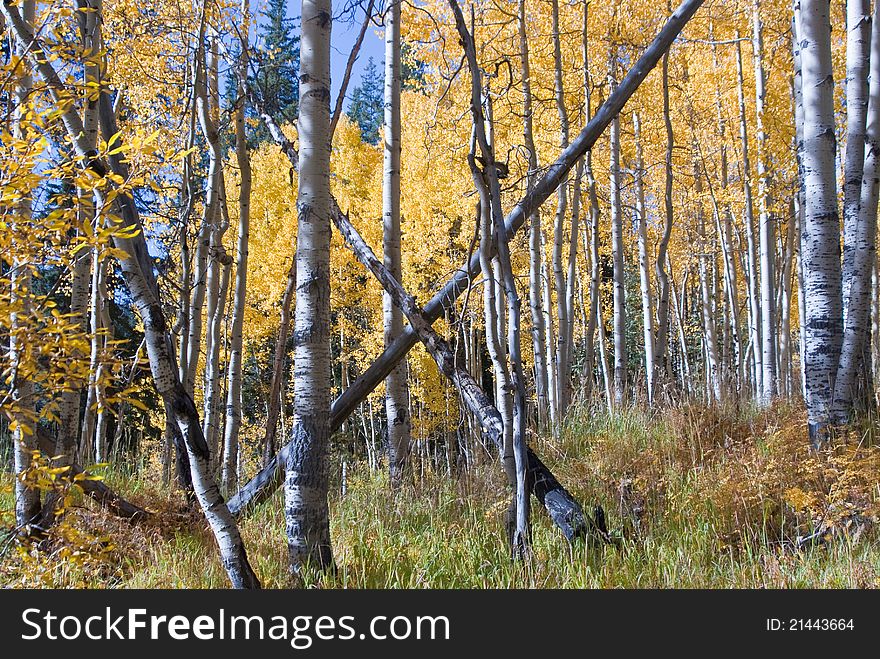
[705, 498]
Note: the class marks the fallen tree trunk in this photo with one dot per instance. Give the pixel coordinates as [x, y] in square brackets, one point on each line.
[562, 507]
[97, 490]
[261, 486]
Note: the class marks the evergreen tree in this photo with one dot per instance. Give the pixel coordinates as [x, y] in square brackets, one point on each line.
[412, 69]
[367, 105]
[277, 67]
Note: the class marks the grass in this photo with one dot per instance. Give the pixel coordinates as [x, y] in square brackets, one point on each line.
[699, 498]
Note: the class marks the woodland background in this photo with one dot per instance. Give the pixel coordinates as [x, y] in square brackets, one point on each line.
[686, 329]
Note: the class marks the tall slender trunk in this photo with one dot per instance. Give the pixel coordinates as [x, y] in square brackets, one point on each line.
[306, 482]
[90, 33]
[618, 286]
[858, 45]
[539, 330]
[706, 265]
[662, 345]
[267, 480]
[724, 227]
[219, 262]
[561, 290]
[644, 266]
[593, 251]
[852, 372]
[280, 353]
[27, 499]
[203, 238]
[769, 387]
[753, 288]
[799, 197]
[137, 269]
[233, 368]
[396, 388]
[821, 231]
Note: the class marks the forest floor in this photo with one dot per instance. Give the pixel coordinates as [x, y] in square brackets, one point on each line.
[698, 497]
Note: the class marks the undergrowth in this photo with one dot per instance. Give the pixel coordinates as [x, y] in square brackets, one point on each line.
[696, 498]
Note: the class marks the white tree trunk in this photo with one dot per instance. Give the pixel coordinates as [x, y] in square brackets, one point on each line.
[27, 500]
[233, 386]
[767, 240]
[137, 269]
[539, 330]
[858, 45]
[619, 334]
[306, 482]
[852, 376]
[644, 265]
[663, 284]
[821, 231]
[396, 388]
[753, 288]
[559, 228]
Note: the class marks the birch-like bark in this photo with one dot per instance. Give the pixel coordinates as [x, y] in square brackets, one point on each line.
[233, 386]
[396, 387]
[769, 387]
[753, 288]
[137, 269]
[490, 191]
[203, 238]
[799, 197]
[562, 508]
[262, 485]
[724, 227]
[858, 47]
[89, 446]
[852, 375]
[27, 499]
[90, 32]
[785, 361]
[561, 351]
[539, 330]
[706, 259]
[306, 483]
[644, 266]
[593, 251]
[663, 283]
[219, 262]
[821, 231]
[618, 287]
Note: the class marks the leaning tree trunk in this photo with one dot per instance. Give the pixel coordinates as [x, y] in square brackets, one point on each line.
[261, 486]
[396, 388]
[562, 508]
[821, 231]
[486, 181]
[306, 483]
[137, 270]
